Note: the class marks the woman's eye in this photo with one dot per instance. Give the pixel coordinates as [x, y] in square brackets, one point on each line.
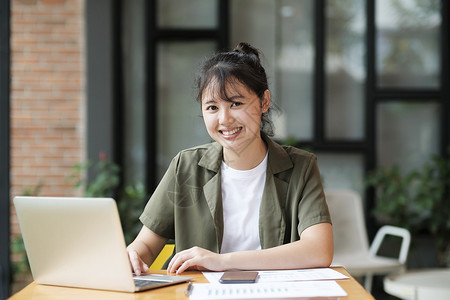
[236, 104]
[211, 107]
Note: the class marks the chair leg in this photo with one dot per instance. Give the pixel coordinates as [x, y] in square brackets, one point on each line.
[368, 282]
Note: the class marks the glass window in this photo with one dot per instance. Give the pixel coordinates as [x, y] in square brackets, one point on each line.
[342, 171]
[283, 30]
[133, 67]
[345, 71]
[180, 124]
[295, 70]
[253, 21]
[187, 14]
[407, 133]
[408, 48]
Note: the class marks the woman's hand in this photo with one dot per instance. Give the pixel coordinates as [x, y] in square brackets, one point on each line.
[138, 266]
[195, 258]
[145, 248]
[313, 250]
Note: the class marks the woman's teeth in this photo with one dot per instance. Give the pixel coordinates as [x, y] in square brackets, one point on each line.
[230, 132]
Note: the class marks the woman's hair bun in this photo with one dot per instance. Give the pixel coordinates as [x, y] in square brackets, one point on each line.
[246, 48]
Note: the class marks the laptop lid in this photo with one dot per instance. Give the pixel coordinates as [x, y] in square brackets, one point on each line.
[77, 242]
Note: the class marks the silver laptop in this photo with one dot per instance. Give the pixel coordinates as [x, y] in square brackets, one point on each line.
[78, 242]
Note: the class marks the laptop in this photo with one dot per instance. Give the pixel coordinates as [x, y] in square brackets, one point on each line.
[78, 242]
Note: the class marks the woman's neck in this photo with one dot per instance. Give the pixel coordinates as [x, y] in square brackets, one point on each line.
[248, 158]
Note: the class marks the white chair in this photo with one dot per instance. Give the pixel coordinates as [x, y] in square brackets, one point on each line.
[351, 246]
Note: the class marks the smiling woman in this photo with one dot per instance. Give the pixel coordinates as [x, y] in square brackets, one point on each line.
[235, 99]
[240, 66]
[243, 201]
[234, 123]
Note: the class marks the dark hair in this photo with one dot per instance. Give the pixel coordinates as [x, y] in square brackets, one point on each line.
[242, 64]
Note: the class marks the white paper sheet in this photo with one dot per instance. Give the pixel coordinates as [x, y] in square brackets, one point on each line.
[287, 275]
[297, 289]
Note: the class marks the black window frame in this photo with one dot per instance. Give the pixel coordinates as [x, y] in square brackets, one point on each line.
[5, 265]
[373, 95]
[154, 35]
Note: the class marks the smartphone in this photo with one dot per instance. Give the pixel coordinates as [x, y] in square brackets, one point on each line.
[239, 277]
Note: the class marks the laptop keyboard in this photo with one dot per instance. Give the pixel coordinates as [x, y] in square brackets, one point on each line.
[144, 283]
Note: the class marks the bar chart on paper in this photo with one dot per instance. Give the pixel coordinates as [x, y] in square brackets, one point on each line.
[274, 284]
[267, 290]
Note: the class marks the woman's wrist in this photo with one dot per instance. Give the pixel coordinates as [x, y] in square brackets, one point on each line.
[226, 261]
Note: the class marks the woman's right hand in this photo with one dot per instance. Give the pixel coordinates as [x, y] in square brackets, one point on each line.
[145, 248]
[138, 266]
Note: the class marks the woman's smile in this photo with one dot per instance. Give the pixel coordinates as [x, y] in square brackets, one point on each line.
[230, 133]
[234, 120]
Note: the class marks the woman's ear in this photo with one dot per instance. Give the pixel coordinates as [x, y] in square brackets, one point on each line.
[266, 101]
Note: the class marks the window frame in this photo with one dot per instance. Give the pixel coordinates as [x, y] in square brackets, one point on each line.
[154, 35]
[373, 95]
[5, 206]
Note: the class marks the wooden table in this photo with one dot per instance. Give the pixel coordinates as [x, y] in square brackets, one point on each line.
[40, 292]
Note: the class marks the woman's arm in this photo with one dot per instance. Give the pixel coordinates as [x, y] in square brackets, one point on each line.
[144, 250]
[313, 250]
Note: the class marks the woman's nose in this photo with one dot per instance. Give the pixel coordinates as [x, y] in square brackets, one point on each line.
[226, 117]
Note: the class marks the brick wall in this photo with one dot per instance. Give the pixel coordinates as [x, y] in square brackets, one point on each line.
[47, 96]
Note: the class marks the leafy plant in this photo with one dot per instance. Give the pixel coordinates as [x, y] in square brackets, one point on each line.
[418, 200]
[33, 191]
[395, 198]
[106, 183]
[130, 208]
[19, 262]
[106, 178]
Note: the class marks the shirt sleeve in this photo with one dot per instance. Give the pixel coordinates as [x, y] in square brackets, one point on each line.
[158, 214]
[313, 207]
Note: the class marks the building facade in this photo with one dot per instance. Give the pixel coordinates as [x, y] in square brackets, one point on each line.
[361, 83]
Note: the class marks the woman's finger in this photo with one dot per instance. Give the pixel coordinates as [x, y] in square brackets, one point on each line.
[176, 261]
[186, 265]
[194, 257]
[180, 258]
[132, 255]
[137, 265]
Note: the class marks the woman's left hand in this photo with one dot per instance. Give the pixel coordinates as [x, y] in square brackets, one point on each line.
[195, 258]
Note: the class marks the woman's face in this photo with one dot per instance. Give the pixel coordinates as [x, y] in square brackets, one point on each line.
[234, 124]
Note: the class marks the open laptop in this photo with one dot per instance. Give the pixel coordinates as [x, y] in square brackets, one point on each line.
[78, 242]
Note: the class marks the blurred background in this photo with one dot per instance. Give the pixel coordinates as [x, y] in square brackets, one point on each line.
[99, 96]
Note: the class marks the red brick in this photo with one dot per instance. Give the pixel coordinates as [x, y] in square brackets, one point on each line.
[53, 2]
[47, 95]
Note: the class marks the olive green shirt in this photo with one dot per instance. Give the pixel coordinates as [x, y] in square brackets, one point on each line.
[187, 204]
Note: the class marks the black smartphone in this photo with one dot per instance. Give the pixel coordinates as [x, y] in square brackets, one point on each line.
[239, 277]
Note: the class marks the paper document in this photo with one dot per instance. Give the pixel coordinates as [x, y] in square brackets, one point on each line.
[267, 290]
[287, 275]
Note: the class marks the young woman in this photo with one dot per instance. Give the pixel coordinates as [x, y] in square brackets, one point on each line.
[243, 201]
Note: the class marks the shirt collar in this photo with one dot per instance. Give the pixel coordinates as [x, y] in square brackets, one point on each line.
[278, 159]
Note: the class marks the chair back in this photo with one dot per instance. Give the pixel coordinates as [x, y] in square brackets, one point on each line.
[162, 257]
[347, 217]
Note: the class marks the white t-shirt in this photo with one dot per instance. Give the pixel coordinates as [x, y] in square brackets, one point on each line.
[241, 198]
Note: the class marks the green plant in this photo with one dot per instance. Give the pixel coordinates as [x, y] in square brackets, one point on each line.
[435, 192]
[106, 183]
[33, 191]
[418, 200]
[396, 200]
[130, 208]
[19, 261]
